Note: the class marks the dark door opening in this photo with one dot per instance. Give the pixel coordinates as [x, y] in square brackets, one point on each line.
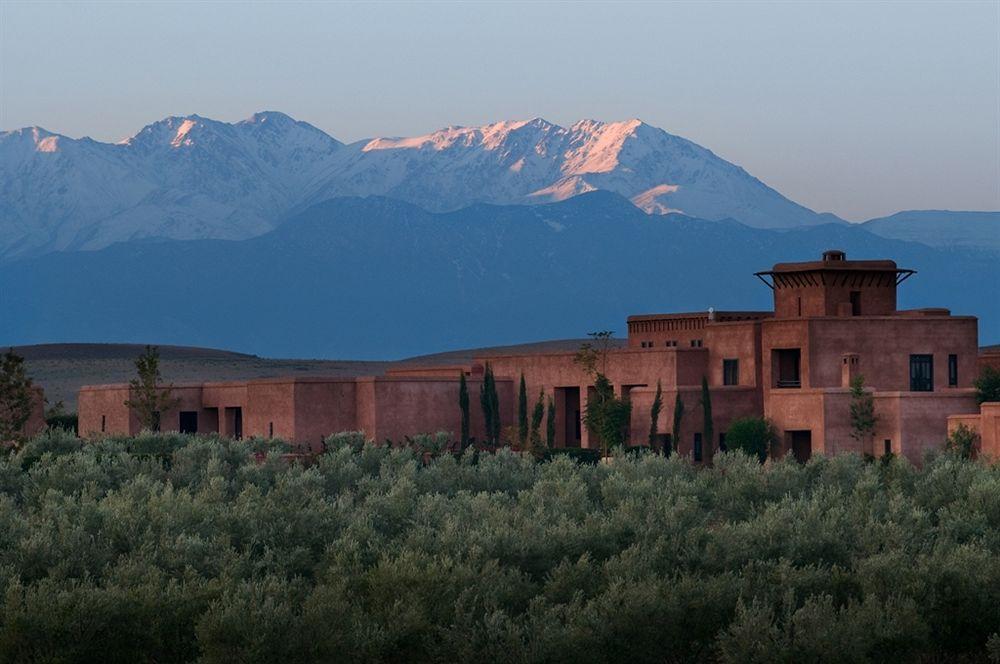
[801, 445]
[568, 430]
[697, 447]
[234, 422]
[188, 421]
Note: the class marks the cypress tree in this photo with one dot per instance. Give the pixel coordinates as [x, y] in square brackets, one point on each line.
[654, 416]
[463, 405]
[486, 402]
[550, 425]
[708, 432]
[536, 423]
[522, 413]
[678, 416]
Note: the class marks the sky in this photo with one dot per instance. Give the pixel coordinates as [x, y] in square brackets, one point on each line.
[858, 108]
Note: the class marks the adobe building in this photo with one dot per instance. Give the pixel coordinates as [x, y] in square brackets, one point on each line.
[832, 320]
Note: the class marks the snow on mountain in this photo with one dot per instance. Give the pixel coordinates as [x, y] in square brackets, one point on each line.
[537, 162]
[193, 177]
[179, 178]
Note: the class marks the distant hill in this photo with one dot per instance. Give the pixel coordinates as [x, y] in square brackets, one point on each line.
[381, 279]
[941, 228]
[61, 369]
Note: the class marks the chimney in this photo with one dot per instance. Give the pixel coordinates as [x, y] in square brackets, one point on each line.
[850, 363]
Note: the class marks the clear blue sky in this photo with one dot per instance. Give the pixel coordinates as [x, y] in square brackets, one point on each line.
[861, 109]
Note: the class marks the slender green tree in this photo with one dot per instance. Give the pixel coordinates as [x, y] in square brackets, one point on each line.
[708, 430]
[486, 403]
[550, 425]
[148, 399]
[678, 417]
[495, 407]
[536, 423]
[463, 406]
[522, 413]
[490, 402]
[15, 398]
[862, 413]
[654, 416]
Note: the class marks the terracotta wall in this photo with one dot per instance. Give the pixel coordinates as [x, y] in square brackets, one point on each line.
[323, 408]
[740, 341]
[393, 408]
[101, 410]
[884, 346]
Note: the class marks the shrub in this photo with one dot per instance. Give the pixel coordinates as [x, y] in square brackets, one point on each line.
[752, 435]
[175, 548]
[962, 441]
[987, 385]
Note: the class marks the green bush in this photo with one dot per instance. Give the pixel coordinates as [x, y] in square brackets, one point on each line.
[175, 548]
[752, 435]
[587, 455]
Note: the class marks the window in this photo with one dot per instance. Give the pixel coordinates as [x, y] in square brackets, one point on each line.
[722, 442]
[696, 343]
[953, 371]
[921, 373]
[800, 306]
[855, 303]
[887, 444]
[103, 422]
[270, 429]
[787, 361]
[697, 447]
[730, 372]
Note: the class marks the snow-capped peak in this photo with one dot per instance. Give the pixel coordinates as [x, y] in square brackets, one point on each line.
[193, 177]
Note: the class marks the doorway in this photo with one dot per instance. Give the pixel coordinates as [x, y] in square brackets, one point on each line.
[188, 421]
[801, 443]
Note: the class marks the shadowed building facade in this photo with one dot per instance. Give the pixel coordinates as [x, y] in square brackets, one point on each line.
[833, 319]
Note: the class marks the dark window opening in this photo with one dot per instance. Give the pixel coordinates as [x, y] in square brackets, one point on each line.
[887, 447]
[697, 447]
[730, 372]
[800, 306]
[188, 422]
[855, 303]
[103, 422]
[921, 373]
[270, 429]
[953, 371]
[722, 442]
[238, 423]
[788, 361]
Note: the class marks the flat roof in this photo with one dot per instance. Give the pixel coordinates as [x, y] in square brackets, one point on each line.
[700, 314]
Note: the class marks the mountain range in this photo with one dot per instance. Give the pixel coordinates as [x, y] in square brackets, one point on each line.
[380, 278]
[272, 237]
[196, 178]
